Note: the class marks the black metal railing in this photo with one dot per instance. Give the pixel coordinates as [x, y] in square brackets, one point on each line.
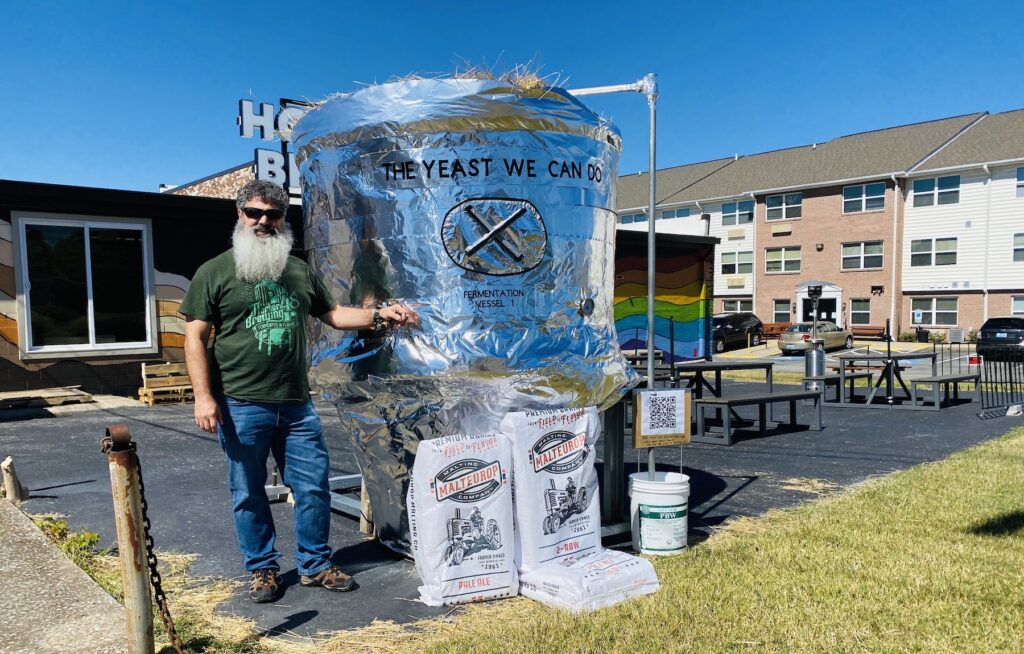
[955, 358]
[1002, 379]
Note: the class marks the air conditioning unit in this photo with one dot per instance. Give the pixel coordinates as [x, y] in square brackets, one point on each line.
[955, 335]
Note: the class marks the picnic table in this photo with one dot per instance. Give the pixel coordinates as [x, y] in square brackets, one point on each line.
[890, 374]
[696, 375]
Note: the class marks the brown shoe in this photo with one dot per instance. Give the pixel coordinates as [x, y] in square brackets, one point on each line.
[263, 586]
[331, 578]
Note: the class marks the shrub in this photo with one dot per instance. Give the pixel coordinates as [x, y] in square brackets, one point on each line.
[908, 337]
[937, 337]
[972, 336]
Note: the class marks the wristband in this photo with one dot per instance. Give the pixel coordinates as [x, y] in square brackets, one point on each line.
[379, 324]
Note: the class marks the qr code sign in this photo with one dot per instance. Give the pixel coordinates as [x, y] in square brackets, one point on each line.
[662, 413]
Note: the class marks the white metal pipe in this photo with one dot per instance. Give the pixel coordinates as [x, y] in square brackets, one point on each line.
[896, 259]
[652, 101]
[615, 88]
[988, 222]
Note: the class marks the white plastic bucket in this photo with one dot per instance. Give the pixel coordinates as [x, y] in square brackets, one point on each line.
[658, 510]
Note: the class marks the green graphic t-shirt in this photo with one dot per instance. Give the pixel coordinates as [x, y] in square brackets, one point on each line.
[259, 347]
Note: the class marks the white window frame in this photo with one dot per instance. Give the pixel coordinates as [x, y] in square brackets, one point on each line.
[932, 197]
[788, 311]
[640, 217]
[1017, 305]
[740, 306]
[669, 214]
[736, 212]
[787, 250]
[787, 201]
[860, 312]
[1018, 247]
[22, 219]
[932, 312]
[861, 256]
[1020, 182]
[863, 197]
[734, 261]
[933, 252]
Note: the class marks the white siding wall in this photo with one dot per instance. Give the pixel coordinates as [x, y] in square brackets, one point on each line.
[689, 226]
[1006, 219]
[964, 220]
[745, 243]
[1004, 212]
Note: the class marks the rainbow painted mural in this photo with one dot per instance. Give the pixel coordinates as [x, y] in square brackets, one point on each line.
[682, 292]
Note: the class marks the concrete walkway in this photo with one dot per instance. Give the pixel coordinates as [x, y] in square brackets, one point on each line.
[47, 604]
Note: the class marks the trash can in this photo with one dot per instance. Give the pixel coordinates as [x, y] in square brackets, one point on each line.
[922, 335]
[814, 363]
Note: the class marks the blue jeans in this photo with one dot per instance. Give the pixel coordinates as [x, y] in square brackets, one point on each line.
[249, 432]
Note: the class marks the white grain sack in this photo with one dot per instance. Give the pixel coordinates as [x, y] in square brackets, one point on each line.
[593, 581]
[558, 513]
[460, 519]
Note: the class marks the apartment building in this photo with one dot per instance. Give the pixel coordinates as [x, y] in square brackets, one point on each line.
[963, 253]
[832, 214]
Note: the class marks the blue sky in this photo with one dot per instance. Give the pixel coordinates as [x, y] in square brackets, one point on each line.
[131, 94]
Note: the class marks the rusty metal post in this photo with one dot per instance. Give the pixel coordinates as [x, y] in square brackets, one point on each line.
[124, 485]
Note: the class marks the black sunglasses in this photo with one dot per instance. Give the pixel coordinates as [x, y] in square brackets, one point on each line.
[255, 214]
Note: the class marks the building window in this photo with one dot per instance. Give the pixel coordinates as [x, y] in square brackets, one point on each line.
[782, 260]
[738, 213]
[859, 256]
[628, 218]
[860, 311]
[936, 190]
[674, 213]
[735, 306]
[1020, 182]
[781, 310]
[788, 205]
[864, 197]
[1018, 247]
[737, 263]
[933, 311]
[88, 285]
[923, 254]
[1017, 305]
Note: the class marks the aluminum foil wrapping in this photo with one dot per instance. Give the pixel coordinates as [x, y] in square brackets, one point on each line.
[487, 207]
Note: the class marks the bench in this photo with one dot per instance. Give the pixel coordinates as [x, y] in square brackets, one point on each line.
[868, 331]
[833, 380]
[864, 367]
[944, 382]
[165, 382]
[762, 400]
[774, 329]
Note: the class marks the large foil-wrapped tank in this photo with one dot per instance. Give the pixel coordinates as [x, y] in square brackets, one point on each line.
[488, 207]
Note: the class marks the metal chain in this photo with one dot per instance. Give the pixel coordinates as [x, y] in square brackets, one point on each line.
[154, 574]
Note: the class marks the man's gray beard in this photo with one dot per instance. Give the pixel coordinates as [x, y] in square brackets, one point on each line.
[261, 257]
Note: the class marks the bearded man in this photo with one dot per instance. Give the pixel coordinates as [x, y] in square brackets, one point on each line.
[252, 387]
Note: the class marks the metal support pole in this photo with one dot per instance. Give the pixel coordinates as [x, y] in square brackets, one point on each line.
[124, 485]
[614, 438]
[652, 100]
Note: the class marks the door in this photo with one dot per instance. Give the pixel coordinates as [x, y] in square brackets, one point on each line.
[826, 309]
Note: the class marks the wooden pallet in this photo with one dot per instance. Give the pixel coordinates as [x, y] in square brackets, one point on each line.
[43, 397]
[165, 382]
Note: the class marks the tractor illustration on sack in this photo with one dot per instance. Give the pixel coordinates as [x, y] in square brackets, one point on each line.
[467, 537]
[562, 504]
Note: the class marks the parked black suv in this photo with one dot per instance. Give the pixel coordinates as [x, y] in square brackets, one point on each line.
[731, 330]
[1002, 339]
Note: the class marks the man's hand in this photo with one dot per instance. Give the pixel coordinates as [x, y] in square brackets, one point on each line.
[207, 414]
[400, 314]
